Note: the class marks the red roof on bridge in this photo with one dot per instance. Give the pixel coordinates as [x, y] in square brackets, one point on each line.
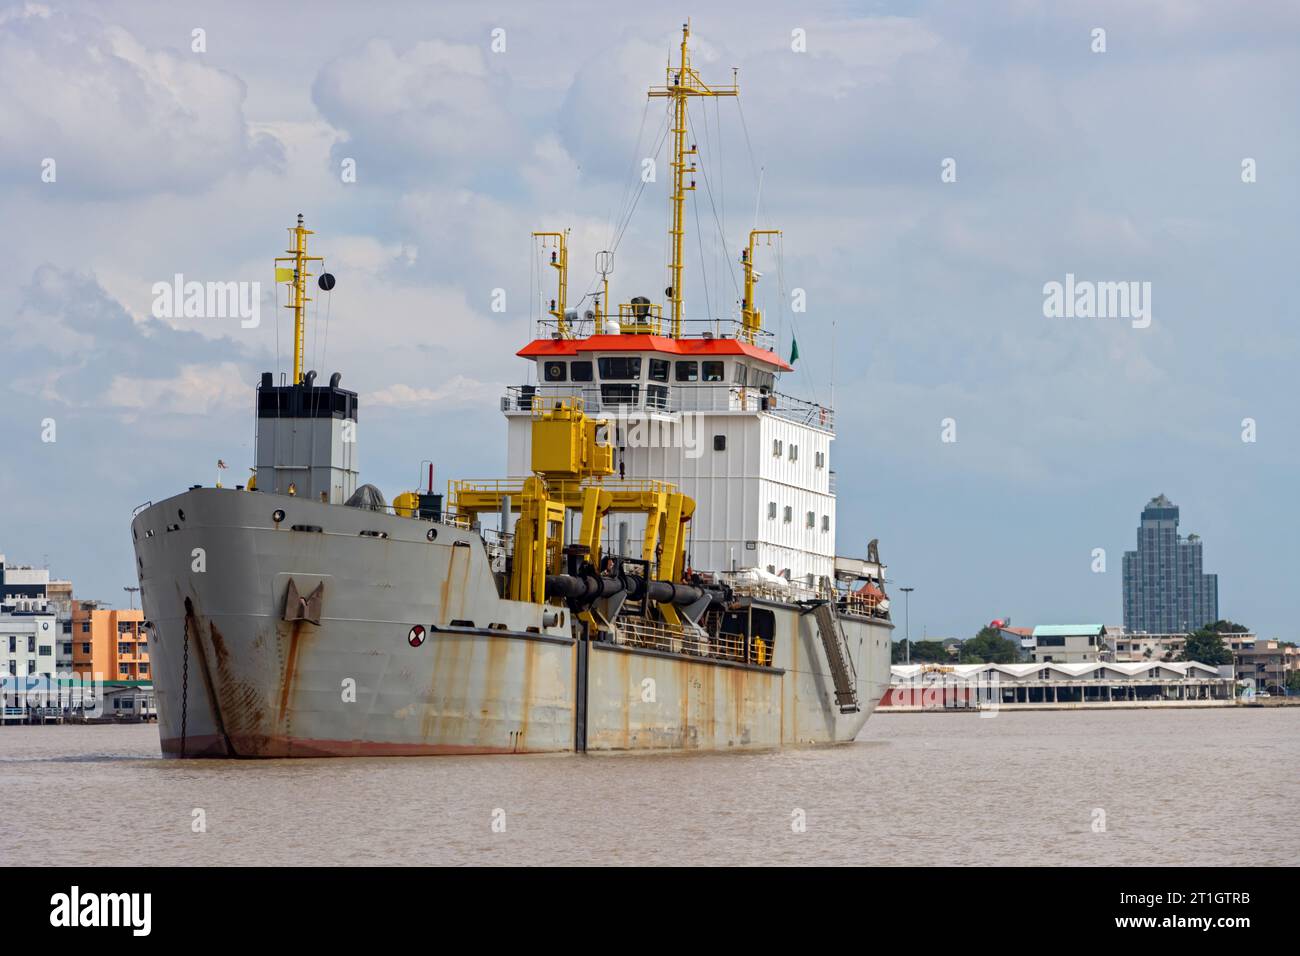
[685, 348]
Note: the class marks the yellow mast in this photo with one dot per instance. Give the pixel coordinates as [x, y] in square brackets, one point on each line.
[751, 320]
[296, 278]
[681, 85]
[560, 260]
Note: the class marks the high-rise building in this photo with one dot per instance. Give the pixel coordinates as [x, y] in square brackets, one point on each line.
[1165, 591]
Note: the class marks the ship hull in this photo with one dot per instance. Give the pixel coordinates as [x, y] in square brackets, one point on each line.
[234, 678]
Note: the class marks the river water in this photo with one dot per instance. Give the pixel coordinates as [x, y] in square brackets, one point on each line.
[1207, 787]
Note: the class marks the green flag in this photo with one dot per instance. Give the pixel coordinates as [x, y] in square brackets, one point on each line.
[794, 350]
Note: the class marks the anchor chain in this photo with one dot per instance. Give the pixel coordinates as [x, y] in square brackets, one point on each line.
[185, 685]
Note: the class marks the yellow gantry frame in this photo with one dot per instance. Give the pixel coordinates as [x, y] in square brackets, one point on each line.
[751, 320]
[681, 84]
[560, 260]
[298, 256]
[543, 499]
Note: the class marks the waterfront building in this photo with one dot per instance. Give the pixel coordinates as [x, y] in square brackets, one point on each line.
[1165, 590]
[110, 641]
[1047, 685]
[1264, 665]
[1167, 647]
[1068, 643]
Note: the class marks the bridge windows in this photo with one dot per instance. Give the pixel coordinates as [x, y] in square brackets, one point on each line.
[556, 371]
[688, 371]
[581, 371]
[659, 370]
[713, 371]
[741, 369]
[620, 368]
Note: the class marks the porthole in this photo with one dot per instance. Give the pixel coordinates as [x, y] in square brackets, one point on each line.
[180, 513]
[277, 515]
[432, 534]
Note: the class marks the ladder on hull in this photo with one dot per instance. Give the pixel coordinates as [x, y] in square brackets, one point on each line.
[837, 655]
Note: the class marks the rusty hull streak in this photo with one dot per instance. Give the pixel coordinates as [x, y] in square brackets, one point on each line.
[201, 653]
[290, 670]
[239, 699]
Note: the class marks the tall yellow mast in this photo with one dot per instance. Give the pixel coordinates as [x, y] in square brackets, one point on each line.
[296, 277]
[560, 260]
[751, 320]
[681, 85]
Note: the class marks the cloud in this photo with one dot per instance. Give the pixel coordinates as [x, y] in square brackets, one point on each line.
[116, 117]
[427, 111]
[76, 345]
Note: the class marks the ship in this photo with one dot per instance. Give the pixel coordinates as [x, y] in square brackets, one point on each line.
[617, 592]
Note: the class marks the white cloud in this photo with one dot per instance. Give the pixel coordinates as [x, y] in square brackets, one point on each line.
[423, 111]
[117, 118]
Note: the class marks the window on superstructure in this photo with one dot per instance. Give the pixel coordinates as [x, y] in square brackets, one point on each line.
[621, 368]
[713, 371]
[794, 452]
[619, 394]
[31, 643]
[656, 397]
[826, 522]
[812, 519]
[788, 515]
[771, 510]
[556, 371]
[819, 459]
[658, 370]
[762, 381]
[778, 448]
[580, 371]
[688, 371]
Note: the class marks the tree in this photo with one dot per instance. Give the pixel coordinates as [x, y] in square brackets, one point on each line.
[1226, 627]
[1293, 682]
[923, 652]
[1206, 646]
[989, 647]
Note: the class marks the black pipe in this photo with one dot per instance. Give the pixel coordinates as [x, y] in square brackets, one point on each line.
[585, 589]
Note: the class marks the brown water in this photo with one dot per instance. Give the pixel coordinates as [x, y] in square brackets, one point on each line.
[1208, 787]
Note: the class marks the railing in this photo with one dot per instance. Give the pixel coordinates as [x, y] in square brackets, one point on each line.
[635, 632]
[651, 322]
[624, 398]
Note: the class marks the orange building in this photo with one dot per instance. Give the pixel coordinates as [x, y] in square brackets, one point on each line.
[109, 641]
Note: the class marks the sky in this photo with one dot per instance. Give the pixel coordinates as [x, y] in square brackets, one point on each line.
[933, 167]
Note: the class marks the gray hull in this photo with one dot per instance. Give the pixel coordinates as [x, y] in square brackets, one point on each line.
[233, 679]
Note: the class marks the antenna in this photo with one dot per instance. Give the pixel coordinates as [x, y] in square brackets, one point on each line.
[604, 266]
[560, 262]
[680, 85]
[296, 277]
[751, 320]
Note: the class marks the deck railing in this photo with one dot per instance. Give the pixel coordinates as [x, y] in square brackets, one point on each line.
[628, 398]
